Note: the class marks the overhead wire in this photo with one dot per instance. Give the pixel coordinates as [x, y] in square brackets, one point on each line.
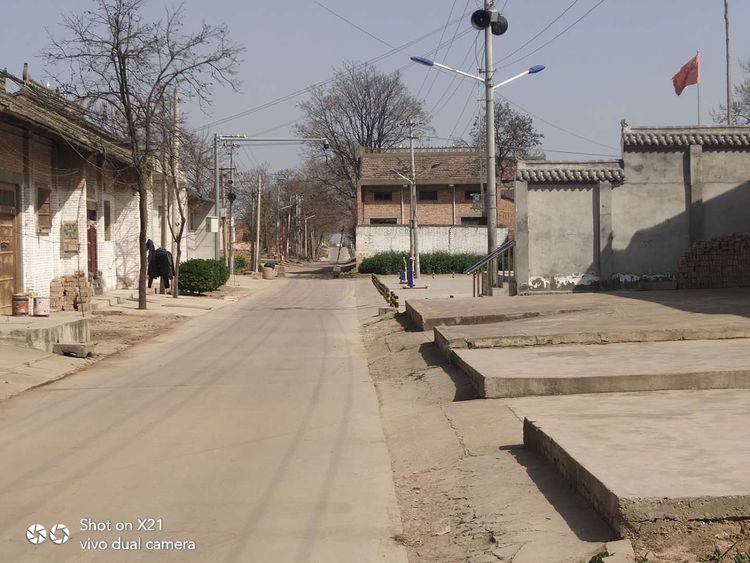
[545, 28]
[447, 52]
[442, 34]
[401, 48]
[576, 22]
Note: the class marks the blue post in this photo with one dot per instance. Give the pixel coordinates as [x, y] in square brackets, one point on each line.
[410, 273]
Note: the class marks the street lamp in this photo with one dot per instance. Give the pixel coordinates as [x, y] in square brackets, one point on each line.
[413, 238]
[490, 203]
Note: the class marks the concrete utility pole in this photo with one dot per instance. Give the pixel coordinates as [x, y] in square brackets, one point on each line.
[413, 192]
[491, 194]
[256, 254]
[307, 248]
[231, 197]
[729, 61]
[217, 197]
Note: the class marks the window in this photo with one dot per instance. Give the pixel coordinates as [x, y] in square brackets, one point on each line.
[383, 196]
[428, 195]
[473, 220]
[43, 211]
[469, 195]
[382, 221]
[107, 220]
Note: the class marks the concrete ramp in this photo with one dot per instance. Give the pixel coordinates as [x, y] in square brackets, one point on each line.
[574, 369]
[648, 458]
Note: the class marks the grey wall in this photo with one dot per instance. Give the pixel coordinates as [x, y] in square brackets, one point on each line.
[595, 234]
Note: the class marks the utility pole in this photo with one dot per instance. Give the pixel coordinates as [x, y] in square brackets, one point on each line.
[278, 221]
[413, 197]
[307, 248]
[256, 254]
[729, 81]
[231, 197]
[217, 197]
[491, 194]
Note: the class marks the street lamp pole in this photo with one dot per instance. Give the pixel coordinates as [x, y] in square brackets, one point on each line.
[492, 23]
[491, 193]
[413, 191]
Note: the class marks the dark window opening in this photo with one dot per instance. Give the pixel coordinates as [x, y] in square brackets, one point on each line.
[383, 196]
[107, 220]
[43, 211]
[469, 195]
[473, 220]
[382, 221]
[428, 195]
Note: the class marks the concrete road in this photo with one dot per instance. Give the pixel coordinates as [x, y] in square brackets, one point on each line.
[252, 431]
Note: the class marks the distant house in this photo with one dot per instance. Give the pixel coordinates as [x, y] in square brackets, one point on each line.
[68, 201]
[450, 188]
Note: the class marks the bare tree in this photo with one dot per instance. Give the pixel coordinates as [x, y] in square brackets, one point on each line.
[129, 67]
[740, 114]
[361, 107]
[516, 138]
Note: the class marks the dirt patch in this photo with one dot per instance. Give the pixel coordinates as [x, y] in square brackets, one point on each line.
[693, 542]
[466, 487]
[115, 330]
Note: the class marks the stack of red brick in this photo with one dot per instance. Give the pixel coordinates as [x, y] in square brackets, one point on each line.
[70, 293]
[719, 262]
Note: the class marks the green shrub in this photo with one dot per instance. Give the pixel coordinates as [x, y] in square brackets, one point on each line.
[240, 262]
[384, 263]
[200, 276]
[391, 262]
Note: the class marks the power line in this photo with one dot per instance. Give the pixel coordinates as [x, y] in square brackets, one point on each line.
[442, 34]
[558, 127]
[545, 28]
[311, 87]
[445, 56]
[594, 7]
[450, 85]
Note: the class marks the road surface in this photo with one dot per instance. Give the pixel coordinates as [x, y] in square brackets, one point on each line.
[252, 431]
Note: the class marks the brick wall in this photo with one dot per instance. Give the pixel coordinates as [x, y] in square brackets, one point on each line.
[719, 262]
[439, 212]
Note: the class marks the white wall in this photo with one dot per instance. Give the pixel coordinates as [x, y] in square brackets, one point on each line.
[455, 239]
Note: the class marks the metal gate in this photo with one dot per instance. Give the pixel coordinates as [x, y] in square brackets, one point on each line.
[7, 246]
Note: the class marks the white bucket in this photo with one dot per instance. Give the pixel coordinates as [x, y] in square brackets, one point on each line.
[41, 306]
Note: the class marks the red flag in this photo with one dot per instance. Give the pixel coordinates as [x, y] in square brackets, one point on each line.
[689, 74]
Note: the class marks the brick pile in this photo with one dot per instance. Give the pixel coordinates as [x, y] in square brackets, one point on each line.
[719, 262]
[70, 293]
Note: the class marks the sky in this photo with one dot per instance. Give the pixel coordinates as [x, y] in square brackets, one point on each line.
[615, 63]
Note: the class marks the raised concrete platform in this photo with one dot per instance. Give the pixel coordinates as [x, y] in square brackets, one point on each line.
[566, 370]
[426, 314]
[642, 458]
[42, 333]
[639, 322]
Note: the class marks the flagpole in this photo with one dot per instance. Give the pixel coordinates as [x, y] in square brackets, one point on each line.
[699, 103]
[698, 84]
[729, 82]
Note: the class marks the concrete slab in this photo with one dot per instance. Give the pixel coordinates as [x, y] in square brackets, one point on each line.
[426, 314]
[640, 322]
[23, 368]
[648, 457]
[42, 333]
[565, 370]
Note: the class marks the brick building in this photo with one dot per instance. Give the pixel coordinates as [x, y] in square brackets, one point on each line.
[450, 184]
[67, 198]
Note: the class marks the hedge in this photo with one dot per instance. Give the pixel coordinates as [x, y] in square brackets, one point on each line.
[434, 263]
[200, 276]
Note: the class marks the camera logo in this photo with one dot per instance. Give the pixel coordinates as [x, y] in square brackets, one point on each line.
[36, 534]
[59, 534]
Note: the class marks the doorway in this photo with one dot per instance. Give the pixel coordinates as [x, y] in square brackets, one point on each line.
[93, 262]
[7, 246]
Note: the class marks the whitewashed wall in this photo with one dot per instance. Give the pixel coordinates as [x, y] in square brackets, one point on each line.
[456, 239]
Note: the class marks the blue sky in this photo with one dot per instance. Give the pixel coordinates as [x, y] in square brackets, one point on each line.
[616, 63]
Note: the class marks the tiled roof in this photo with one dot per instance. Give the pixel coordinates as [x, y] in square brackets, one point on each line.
[735, 136]
[38, 106]
[545, 171]
[433, 165]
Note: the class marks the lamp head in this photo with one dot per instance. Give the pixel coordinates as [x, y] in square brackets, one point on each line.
[423, 61]
[536, 68]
